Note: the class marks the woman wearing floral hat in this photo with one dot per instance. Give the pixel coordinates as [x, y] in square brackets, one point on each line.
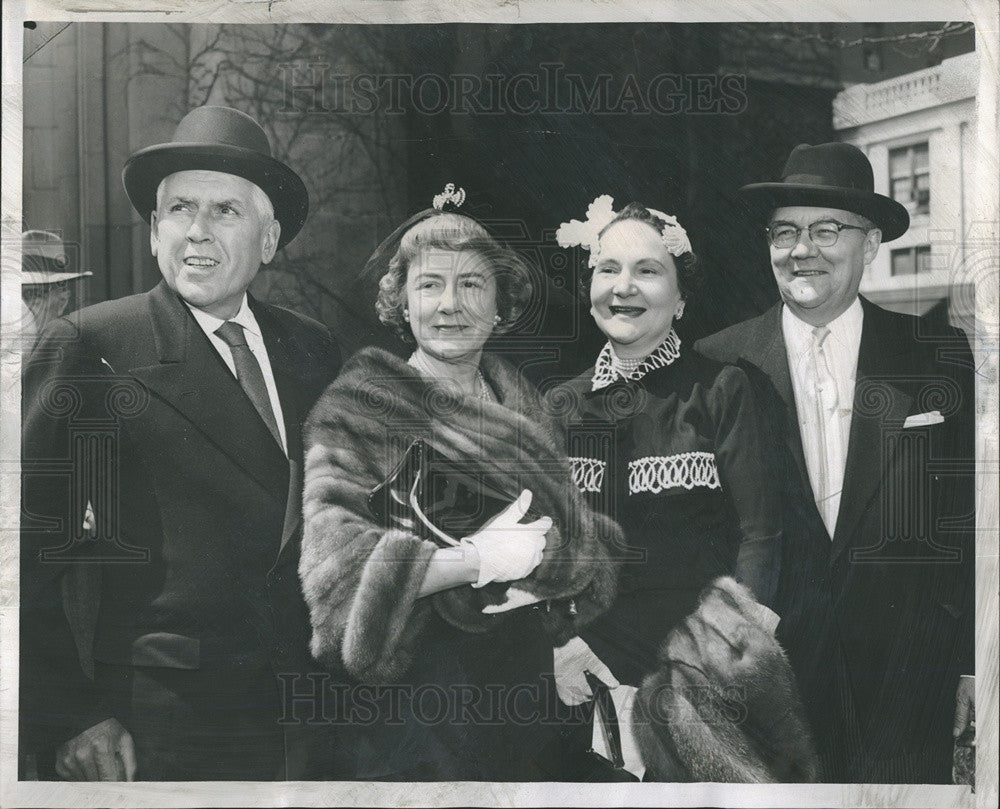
[665, 441]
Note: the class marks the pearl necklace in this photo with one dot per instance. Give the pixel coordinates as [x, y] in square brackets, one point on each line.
[626, 366]
[610, 366]
[483, 391]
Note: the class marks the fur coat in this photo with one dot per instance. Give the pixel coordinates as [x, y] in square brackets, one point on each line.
[723, 706]
[361, 580]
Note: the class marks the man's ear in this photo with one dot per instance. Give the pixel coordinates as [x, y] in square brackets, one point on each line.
[872, 241]
[270, 244]
[153, 240]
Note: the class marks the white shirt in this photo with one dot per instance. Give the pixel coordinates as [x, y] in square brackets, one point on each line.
[825, 436]
[209, 323]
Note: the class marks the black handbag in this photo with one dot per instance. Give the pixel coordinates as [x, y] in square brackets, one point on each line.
[435, 497]
[581, 761]
[606, 717]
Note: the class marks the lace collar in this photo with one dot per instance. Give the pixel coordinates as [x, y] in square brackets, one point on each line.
[608, 367]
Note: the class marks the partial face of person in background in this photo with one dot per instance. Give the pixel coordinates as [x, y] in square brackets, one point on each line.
[451, 303]
[819, 283]
[46, 301]
[210, 233]
[634, 293]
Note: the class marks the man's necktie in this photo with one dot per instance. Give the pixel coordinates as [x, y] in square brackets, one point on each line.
[826, 398]
[826, 385]
[249, 374]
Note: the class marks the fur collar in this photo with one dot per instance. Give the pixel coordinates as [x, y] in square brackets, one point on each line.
[355, 436]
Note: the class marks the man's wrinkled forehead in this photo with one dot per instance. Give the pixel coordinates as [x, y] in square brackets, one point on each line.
[218, 186]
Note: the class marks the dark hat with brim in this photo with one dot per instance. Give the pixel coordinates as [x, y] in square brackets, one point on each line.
[225, 140]
[829, 175]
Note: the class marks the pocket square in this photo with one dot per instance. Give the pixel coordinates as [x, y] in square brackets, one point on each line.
[923, 419]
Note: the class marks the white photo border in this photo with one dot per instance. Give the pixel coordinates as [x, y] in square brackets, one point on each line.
[983, 13]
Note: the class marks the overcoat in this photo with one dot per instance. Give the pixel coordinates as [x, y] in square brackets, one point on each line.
[878, 619]
[131, 416]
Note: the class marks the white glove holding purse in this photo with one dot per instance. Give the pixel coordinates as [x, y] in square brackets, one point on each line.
[571, 661]
[509, 549]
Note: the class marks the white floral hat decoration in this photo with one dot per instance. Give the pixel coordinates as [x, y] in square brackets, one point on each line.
[600, 213]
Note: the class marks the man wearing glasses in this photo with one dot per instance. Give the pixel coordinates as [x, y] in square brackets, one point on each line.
[872, 417]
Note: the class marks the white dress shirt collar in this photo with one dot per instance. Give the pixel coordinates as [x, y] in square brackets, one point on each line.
[845, 330]
[255, 342]
[210, 323]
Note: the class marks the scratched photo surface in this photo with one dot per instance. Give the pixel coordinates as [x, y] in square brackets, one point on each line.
[307, 308]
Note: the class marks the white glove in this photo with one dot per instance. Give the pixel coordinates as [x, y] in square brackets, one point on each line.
[509, 550]
[572, 660]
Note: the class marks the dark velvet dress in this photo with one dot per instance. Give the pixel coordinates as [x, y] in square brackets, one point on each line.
[674, 455]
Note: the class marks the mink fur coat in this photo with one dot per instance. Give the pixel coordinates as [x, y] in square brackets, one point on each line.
[723, 705]
[361, 579]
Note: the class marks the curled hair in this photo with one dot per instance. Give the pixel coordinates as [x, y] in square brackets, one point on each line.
[452, 231]
[689, 276]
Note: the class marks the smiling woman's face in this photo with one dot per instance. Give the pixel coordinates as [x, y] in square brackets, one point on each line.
[451, 300]
[634, 293]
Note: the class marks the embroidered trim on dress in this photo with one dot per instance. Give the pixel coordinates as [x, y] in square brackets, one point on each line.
[588, 473]
[607, 369]
[659, 472]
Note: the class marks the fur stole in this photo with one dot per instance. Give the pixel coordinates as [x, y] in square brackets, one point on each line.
[723, 705]
[360, 580]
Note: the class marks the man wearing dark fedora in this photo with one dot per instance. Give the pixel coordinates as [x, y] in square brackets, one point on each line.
[173, 419]
[872, 417]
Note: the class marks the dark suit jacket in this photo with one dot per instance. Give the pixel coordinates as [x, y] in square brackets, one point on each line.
[878, 620]
[128, 407]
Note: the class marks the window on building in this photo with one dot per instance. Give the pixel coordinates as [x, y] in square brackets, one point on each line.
[871, 54]
[910, 177]
[911, 260]
[873, 60]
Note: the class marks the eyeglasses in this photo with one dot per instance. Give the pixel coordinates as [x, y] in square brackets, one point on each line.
[823, 234]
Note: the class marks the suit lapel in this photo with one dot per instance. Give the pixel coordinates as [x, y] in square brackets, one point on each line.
[294, 393]
[766, 349]
[880, 405]
[193, 379]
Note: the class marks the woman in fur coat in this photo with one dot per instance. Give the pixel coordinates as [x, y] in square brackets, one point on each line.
[447, 661]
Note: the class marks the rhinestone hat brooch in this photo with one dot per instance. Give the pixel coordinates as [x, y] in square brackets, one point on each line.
[450, 196]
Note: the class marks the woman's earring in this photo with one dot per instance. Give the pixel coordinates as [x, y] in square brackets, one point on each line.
[406, 315]
[497, 320]
[680, 311]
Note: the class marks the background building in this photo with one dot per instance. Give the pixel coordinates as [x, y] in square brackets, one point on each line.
[918, 130]
[374, 118]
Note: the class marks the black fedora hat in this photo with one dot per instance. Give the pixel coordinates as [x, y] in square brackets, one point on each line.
[221, 139]
[830, 175]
